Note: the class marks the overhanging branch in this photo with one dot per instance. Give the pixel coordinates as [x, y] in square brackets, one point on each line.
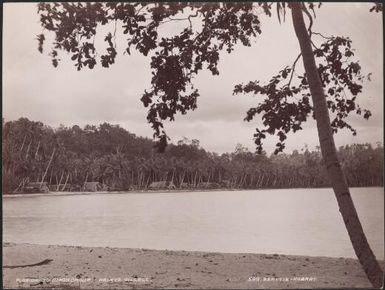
[293, 69]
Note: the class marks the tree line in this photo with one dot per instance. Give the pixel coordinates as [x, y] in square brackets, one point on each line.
[67, 157]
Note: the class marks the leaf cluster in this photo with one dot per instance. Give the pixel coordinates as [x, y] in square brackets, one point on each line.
[175, 60]
[286, 106]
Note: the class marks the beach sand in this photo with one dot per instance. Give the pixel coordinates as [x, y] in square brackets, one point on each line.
[116, 268]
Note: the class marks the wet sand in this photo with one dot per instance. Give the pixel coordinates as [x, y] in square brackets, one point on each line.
[72, 267]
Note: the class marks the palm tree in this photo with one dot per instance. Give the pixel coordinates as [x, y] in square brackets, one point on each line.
[329, 154]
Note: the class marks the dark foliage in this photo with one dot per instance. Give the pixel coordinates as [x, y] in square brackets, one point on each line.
[287, 105]
[123, 161]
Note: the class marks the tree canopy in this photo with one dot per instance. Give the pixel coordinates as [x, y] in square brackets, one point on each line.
[209, 29]
[124, 161]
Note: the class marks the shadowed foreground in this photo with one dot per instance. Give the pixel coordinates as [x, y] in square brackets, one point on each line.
[108, 268]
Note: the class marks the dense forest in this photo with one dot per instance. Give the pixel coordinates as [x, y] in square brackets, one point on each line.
[67, 157]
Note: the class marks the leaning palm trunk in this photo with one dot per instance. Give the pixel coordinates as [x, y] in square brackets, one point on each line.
[329, 154]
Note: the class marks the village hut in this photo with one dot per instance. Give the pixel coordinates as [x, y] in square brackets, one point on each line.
[36, 187]
[171, 185]
[225, 183]
[208, 185]
[185, 185]
[60, 187]
[75, 187]
[162, 185]
[93, 186]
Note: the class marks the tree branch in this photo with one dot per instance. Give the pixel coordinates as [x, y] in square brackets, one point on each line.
[137, 12]
[310, 19]
[312, 43]
[114, 35]
[181, 19]
[292, 69]
[320, 34]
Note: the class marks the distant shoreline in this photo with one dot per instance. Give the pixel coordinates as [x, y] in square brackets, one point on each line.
[60, 193]
[65, 193]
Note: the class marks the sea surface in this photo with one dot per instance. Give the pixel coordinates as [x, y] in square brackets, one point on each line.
[283, 221]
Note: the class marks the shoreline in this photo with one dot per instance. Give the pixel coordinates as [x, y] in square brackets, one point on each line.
[65, 193]
[144, 191]
[74, 267]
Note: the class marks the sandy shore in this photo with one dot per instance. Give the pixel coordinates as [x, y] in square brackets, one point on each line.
[115, 268]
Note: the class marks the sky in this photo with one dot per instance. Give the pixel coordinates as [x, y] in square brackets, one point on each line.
[33, 88]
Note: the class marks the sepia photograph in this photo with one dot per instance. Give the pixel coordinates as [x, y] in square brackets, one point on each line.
[192, 145]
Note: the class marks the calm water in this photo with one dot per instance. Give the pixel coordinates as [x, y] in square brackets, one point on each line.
[289, 221]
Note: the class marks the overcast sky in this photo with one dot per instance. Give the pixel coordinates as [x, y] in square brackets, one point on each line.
[33, 88]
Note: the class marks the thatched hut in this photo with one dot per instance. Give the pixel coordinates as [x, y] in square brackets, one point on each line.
[60, 187]
[93, 186]
[162, 185]
[208, 185]
[185, 185]
[36, 187]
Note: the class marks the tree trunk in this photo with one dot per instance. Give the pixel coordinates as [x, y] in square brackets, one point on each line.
[329, 154]
[26, 154]
[58, 185]
[195, 179]
[50, 177]
[208, 178]
[148, 180]
[181, 179]
[37, 149]
[46, 170]
[20, 185]
[65, 183]
[172, 177]
[85, 180]
[22, 145]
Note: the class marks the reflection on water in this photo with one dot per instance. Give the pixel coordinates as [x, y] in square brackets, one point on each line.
[289, 221]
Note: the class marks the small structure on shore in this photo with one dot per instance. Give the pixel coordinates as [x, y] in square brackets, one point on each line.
[208, 185]
[60, 187]
[36, 187]
[162, 185]
[75, 187]
[94, 186]
[185, 185]
[225, 183]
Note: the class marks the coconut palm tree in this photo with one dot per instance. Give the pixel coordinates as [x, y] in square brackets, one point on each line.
[329, 154]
